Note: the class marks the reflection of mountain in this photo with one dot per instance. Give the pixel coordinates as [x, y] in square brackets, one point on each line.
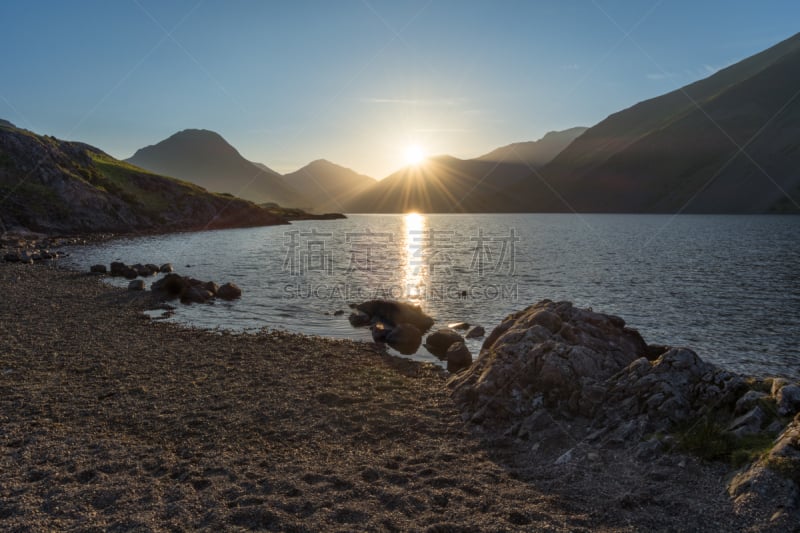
[328, 186]
[535, 153]
[205, 158]
[67, 187]
[680, 151]
[446, 184]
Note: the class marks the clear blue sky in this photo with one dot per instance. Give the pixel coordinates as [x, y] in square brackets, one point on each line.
[357, 81]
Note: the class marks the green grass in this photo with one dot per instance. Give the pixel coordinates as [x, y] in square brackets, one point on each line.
[707, 439]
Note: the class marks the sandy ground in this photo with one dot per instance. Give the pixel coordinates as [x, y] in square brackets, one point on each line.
[112, 421]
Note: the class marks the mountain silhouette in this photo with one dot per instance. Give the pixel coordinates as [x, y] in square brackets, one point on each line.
[535, 153]
[203, 157]
[57, 186]
[725, 144]
[328, 186]
[446, 184]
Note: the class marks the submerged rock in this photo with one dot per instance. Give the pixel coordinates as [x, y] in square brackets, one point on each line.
[476, 332]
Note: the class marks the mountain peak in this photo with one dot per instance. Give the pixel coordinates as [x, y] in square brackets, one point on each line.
[204, 157]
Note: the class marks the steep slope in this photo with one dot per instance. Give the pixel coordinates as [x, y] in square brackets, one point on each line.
[444, 185]
[535, 153]
[203, 157]
[678, 152]
[328, 187]
[58, 186]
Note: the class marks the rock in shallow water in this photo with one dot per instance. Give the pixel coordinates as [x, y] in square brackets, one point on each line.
[440, 340]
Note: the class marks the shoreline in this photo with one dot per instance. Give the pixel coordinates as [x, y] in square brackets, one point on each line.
[116, 421]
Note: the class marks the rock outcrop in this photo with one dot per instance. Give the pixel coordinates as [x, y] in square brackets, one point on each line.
[553, 365]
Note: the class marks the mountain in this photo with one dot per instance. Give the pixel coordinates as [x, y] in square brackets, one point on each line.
[203, 157]
[535, 153]
[444, 184]
[56, 186]
[329, 187]
[680, 152]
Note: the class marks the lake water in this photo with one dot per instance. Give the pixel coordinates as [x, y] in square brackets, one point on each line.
[726, 286]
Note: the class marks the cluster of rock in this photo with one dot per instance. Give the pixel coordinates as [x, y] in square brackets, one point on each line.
[32, 249]
[120, 269]
[553, 361]
[172, 286]
[402, 325]
[191, 290]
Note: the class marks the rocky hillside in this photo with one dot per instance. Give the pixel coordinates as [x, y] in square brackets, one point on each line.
[680, 151]
[56, 186]
[205, 158]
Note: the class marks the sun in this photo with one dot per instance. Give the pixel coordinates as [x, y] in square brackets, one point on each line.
[414, 154]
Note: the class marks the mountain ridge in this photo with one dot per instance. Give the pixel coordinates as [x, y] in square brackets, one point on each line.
[205, 158]
[679, 152]
[56, 186]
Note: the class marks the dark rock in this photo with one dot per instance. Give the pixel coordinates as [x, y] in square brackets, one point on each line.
[154, 269]
[210, 286]
[440, 340]
[11, 257]
[749, 400]
[170, 286]
[393, 313]
[166, 268]
[476, 332]
[405, 338]
[229, 291]
[749, 423]
[196, 294]
[788, 398]
[458, 357]
[98, 269]
[358, 319]
[338, 312]
[136, 285]
[379, 332]
[118, 268]
[130, 273]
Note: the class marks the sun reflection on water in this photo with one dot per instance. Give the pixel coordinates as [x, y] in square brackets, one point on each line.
[415, 275]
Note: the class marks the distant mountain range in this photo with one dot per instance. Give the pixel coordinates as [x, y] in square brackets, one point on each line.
[205, 158]
[680, 152]
[729, 143]
[56, 186]
[447, 184]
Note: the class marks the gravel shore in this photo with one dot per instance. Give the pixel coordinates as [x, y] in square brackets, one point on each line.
[112, 421]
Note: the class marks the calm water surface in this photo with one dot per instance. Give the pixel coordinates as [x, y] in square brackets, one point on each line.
[726, 286]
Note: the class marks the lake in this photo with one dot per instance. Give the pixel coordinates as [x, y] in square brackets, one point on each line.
[726, 286]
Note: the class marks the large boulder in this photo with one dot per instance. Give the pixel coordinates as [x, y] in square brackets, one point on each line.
[405, 338]
[551, 354]
[394, 313]
[440, 340]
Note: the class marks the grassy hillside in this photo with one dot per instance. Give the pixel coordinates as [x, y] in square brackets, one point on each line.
[59, 186]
